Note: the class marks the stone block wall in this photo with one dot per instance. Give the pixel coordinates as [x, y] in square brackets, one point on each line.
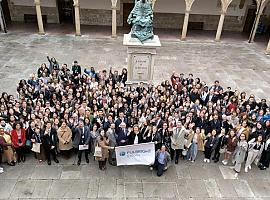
[98, 17]
[210, 22]
[18, 11]
[104, 17]
[168, 20]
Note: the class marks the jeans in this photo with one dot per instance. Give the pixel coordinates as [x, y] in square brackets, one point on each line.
[160, 167]
[192, 151]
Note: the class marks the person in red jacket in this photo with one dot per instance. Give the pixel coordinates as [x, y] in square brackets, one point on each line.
[18, 136]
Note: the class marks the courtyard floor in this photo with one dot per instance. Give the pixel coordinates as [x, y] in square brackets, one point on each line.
[185, 181]
[233, 61]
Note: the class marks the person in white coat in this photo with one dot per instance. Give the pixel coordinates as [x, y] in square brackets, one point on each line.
[255, 149]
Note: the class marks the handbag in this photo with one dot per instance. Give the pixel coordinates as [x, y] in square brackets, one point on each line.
[222, 150]
[184, 152]
[98, 151]
[36, 147]
[28, 143]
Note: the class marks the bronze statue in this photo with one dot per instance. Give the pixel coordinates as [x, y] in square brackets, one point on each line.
[141, 19]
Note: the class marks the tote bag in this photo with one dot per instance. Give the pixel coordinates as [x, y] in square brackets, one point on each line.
[36, 147]
[98, 151]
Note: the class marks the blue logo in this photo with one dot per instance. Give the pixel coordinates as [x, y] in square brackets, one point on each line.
[122, 153]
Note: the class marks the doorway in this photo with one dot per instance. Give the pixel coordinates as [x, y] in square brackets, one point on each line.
[127, 8]
[66, 11]
[251, 15]
[6, 12]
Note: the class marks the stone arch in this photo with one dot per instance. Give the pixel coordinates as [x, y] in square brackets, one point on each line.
[260, 7]
[224, 7]
[189, 4]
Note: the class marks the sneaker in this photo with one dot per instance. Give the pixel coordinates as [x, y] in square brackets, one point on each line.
[246, 169]
[151, 168]
[249, 167]
[205, 160]
[236, 175]
[208, 160]
[1, 170]
[193, 161]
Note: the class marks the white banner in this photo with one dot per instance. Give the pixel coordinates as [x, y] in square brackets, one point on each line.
[137, 154]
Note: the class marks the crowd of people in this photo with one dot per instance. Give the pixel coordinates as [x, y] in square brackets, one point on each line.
[59, 111]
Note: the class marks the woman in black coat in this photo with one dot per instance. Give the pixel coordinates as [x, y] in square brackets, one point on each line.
[135, 136]
[211, 143]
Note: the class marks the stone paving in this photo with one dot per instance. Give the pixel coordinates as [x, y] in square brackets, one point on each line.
[193, 181]
[235, 63]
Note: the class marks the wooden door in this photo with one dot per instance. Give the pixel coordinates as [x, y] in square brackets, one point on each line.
[6, 12]
[251, 15]
[66, 11]
[127, 8]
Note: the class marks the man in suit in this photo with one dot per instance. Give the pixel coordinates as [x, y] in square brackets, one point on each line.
[215, 123]
[82, 137]
[178, 140]
[210, 97]
[121, 119]
[49, 141]
[158, 121]
[122, 135]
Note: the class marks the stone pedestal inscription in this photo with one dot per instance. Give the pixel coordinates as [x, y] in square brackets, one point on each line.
[141, 67]
[141, 59]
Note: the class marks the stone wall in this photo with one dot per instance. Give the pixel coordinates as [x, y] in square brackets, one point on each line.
[98, 17]
[18, 11]
[103, 17]
[210, 22]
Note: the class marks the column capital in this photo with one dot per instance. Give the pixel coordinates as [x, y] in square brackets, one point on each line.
[189, 4]
[114, 3]
[153, 2]
[37, 2]
[76, 3]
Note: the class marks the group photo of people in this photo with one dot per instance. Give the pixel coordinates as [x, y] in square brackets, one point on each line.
[62, 110]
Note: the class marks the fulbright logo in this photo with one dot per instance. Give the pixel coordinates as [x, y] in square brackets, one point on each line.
[122, 153]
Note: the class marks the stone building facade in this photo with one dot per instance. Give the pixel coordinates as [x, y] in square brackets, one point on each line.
[204, 14]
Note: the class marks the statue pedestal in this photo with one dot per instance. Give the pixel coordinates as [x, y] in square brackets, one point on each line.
[141, 59]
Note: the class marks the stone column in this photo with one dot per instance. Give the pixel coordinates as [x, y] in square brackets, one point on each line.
[224, 6]
[39, 18]
[185, 26]
[114, 22]
[77, 17]
[189, 4]
[260, 7]
[268, 48]
[255, 27]
[220, 26]
[153, 4]
[2, 26]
